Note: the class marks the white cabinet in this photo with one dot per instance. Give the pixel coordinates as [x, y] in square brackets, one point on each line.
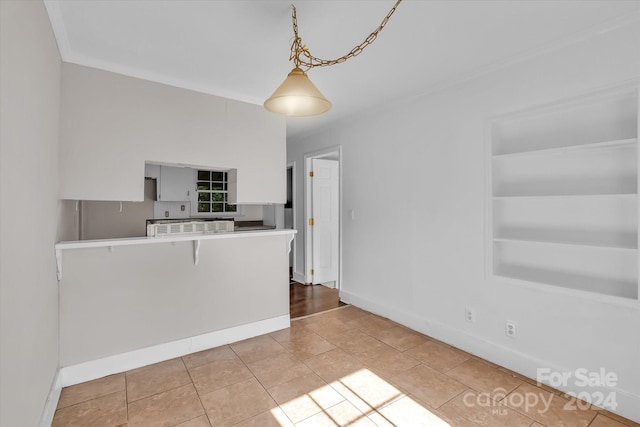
[100, 122]
[176, 184]
[151, 171]
[563, 203]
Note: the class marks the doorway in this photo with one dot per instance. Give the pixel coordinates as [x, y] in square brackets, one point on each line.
[323, 217]
[289, 209]
[306, 300]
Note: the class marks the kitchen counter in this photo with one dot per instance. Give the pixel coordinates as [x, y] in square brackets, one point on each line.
[130, 302]
[254, 227]
[255, 231]
[243, 232]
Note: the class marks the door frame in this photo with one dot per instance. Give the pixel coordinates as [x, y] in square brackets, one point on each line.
[329, 153]
[294, 203]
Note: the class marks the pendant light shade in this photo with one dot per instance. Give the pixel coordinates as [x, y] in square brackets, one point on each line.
[297, 97]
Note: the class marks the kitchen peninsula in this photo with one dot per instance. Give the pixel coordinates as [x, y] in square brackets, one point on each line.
[131, 302]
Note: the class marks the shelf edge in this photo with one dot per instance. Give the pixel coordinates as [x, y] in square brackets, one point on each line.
[615, 144]
[544, 242]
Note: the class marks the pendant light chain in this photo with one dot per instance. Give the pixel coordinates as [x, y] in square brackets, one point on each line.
[300, 54]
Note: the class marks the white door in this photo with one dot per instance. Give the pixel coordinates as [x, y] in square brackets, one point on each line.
[325, 214]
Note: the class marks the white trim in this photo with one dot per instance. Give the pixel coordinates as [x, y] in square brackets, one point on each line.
[308, 243]
[458, 80]
[299, 277]
[193, 196]
[195, 238]
[628, 402]
[595, 94]
[319, 313]
[81, 244]
[317, 154]
[59, 29]
[289, 244]
[68, 55]
[87, 371]
[52, 401]
[293, 166]
[539, 286]
[638, 160]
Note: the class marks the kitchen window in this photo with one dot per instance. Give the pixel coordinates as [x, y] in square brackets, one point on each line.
[212, 193]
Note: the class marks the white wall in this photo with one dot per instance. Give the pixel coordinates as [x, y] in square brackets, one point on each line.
[419, 256]
[113, 220]
[125, 298]
[30, 106]
[251, 213]
[111, 124]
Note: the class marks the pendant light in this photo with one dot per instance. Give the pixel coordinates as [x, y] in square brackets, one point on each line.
[297, 96]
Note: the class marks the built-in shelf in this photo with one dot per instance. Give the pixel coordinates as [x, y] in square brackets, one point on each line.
[576, 282]
[567, 243]
[566, 196]
[617, 233]
[619, 143]
[567, 216]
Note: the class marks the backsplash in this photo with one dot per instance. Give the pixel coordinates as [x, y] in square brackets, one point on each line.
[175, 209]
[248, 212]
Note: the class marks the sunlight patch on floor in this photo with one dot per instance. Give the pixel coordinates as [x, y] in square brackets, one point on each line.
[365, 400]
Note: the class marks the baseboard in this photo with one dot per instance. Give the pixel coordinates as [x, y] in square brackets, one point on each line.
[524, 364]
[52, 401]
[87, 371]
[400, 316]
[299, 277]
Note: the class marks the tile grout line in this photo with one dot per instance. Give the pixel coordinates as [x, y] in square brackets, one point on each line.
[609, 418]
[126, 395]
[274, 399]
[228, 385]
[258, 380]
[88, 400]
[154, 394]
[320, 312]
[160, 392]
[197, 393]
[453, 397]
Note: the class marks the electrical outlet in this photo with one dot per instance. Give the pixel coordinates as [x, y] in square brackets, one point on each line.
[510, 329]
[470, 315]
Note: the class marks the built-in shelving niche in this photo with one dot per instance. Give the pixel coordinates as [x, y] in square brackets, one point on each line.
[564, 195]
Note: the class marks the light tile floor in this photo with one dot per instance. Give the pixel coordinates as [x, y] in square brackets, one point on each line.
[345, 367]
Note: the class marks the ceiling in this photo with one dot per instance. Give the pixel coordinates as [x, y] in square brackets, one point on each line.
[240, 49]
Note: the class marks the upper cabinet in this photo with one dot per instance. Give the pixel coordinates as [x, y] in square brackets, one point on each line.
[176, 184]
[112, 124]
[173, 184]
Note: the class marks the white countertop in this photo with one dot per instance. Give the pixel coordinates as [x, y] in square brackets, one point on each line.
[195, 238]
[78, 244]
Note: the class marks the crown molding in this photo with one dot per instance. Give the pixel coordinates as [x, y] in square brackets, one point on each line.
[68, 55]
[608, 26]
[151, 76]
[59, 29]
[547, 48]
